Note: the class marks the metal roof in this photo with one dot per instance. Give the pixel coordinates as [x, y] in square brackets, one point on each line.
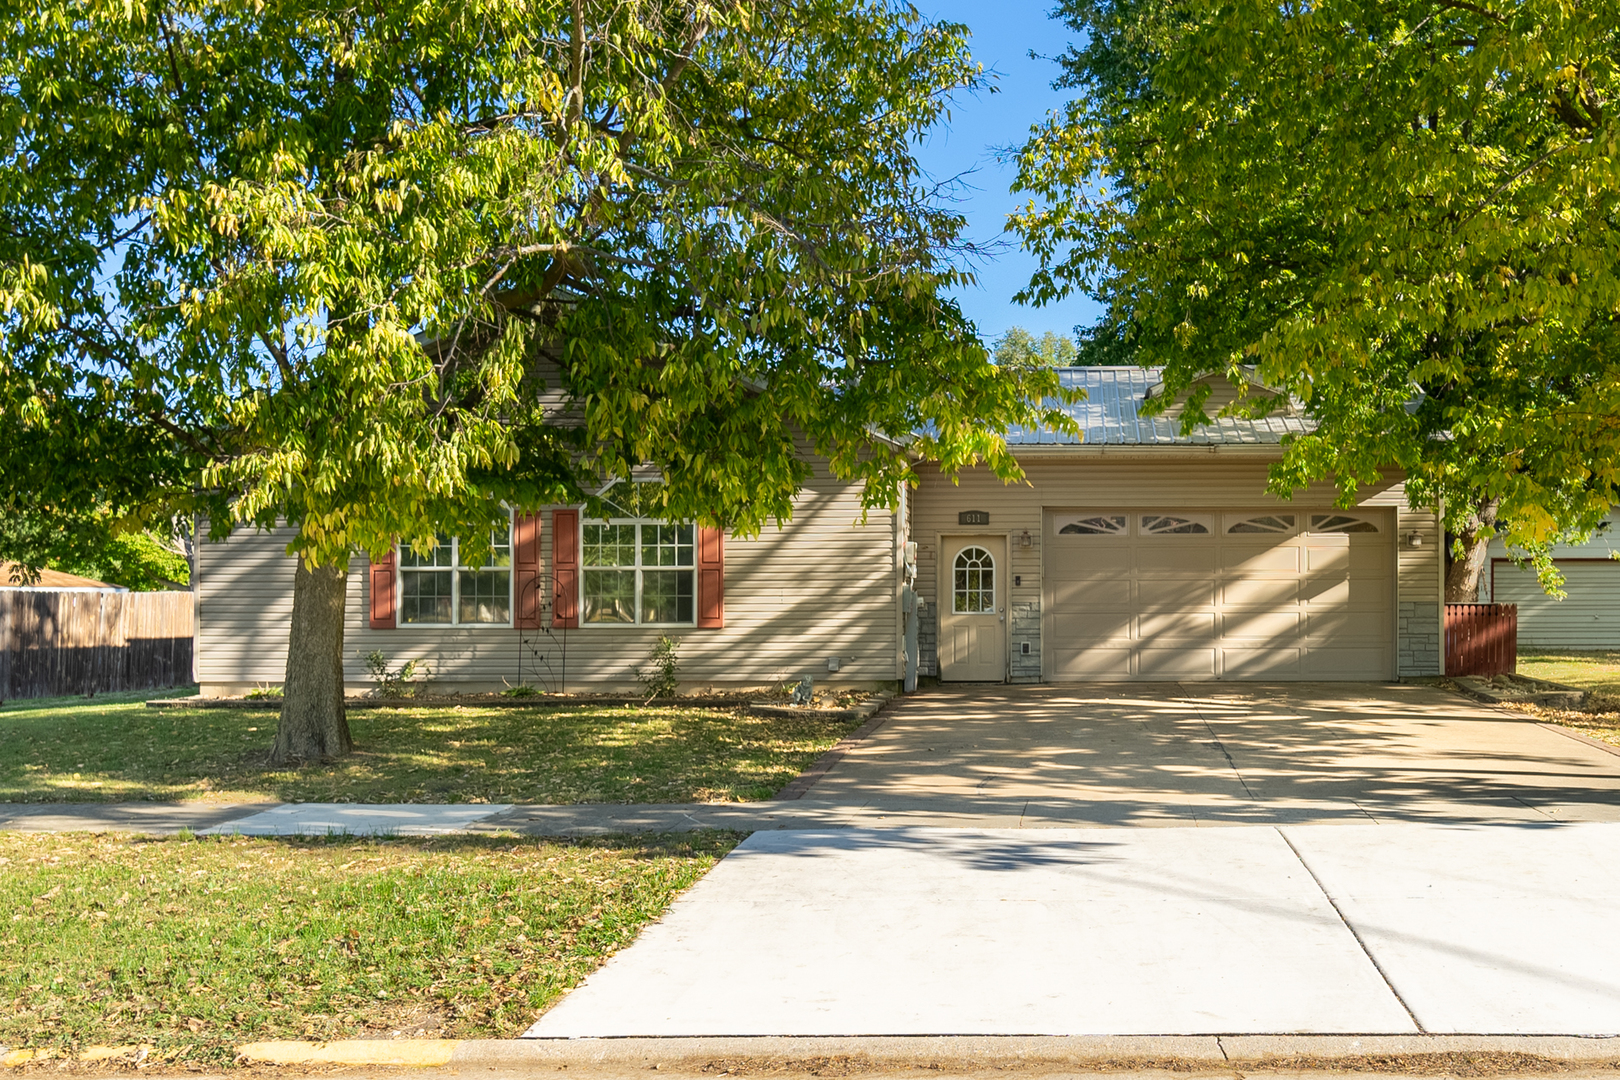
[1109, 416]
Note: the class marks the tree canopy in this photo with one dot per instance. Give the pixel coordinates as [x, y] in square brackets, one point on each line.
[307, 261]
[1403, 214]
[1020, 347]
[383, 271]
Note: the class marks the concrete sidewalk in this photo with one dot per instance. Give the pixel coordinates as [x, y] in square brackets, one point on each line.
[1398, 929]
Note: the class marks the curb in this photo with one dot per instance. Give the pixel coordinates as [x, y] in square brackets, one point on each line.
[1371, 1053]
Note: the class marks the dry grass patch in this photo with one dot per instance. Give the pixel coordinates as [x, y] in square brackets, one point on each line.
[196, 946]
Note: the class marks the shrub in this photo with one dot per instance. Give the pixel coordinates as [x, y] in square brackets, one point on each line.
[659, 678]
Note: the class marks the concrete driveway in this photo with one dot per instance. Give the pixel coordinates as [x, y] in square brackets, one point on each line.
[1395, 860]
[1174, 754]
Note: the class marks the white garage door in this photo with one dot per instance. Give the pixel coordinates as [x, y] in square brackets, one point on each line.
[1588, 618]
[1180, 594]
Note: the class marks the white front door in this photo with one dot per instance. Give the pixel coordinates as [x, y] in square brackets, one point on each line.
[972, 612]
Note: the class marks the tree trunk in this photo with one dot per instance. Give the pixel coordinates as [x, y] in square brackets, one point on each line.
[313, 724]
[1466, 574]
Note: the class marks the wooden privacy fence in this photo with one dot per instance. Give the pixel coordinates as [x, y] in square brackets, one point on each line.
[79, 642]
[1481, 639]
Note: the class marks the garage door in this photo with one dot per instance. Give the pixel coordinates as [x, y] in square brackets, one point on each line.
[1589, 618]
[1179, 594]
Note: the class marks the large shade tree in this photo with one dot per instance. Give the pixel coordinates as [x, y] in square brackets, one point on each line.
[1401, 213]
[311, 262]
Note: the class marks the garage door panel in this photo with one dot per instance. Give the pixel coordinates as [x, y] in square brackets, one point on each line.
[1359, 626]
[1362, 555]
[1283, 559]
[1262, 594]
[1261, 625]
[1261, 663]
[1345, 663]
[1092, 663]
[1155, 663]
[1092, 594]
[1349, 593]
[1157, 594]
[1081, 561]
[1092, 626]
[1283, 605]
[1176, 555]
[1192, 625]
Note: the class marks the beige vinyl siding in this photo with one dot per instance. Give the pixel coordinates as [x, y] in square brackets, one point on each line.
[1152, 478]
[1587, 618]
[819, 587]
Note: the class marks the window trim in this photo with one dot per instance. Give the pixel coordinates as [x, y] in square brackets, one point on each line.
[1205, 522]
[995, 583]
[638, 570]
[455, 568]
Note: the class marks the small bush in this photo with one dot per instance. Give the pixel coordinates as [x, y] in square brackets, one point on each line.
[659, 678]
[401, 683]
[264, 692]
[521, 690]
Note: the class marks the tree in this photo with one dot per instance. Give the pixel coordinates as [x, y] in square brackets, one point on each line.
[302, 261]
[1402, 214]
[141, 560]
[1019, 347]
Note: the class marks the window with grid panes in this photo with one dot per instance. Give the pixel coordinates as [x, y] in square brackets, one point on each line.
[638, 572]
[444, 587]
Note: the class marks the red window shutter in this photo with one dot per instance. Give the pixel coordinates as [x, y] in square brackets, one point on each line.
[711, 578]
[382, 592]
[565, 569]
[526, 572]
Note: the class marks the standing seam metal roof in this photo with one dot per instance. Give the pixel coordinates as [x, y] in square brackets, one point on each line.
[1110, 416]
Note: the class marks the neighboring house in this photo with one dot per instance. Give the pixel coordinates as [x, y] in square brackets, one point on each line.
[1588, 617]
[53, 581]
[1135, 553]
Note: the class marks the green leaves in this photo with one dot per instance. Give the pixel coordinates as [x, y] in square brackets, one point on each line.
[380, 271]
[1404, 215]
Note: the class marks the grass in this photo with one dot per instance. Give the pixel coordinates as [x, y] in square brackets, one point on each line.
[1598, 670]
[196, 946]
[114, 749]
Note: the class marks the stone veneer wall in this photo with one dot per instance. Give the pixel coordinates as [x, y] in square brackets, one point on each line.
[1026, 626]
[1417, 639]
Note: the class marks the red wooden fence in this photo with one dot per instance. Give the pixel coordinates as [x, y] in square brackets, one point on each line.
[1481, 639]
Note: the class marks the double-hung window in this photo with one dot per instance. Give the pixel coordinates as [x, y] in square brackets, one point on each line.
[638, 571]
[441, 587]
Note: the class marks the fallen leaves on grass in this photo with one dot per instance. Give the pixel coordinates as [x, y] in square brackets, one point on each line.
[196, 946]
[87, 751]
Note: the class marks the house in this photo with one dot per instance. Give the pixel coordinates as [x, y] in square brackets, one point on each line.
[1589, 616]
[1132, 553]
[52, 581]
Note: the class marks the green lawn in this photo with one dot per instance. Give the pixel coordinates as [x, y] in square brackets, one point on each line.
[112, 749]
[197, 946]
[1597, 670]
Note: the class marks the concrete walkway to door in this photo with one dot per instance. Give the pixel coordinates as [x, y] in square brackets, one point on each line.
[1179, 754]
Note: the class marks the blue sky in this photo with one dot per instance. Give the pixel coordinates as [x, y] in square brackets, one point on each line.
[1003, 35]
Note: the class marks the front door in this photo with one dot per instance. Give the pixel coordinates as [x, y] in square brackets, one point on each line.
[972, 613]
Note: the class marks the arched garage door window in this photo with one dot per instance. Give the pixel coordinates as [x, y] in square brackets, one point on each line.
[974, 587]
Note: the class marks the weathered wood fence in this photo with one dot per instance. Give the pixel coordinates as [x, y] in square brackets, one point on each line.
[78, 642]
[1481, 639]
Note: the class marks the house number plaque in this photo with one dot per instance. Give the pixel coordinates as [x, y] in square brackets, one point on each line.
[973, 517]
